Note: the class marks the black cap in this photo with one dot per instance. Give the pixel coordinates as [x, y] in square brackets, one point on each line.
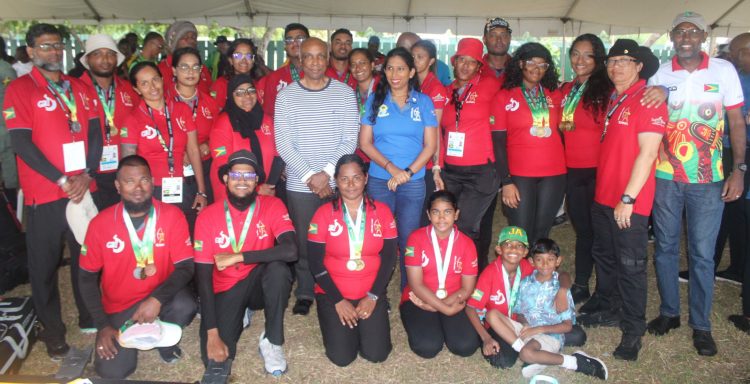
[497, 22]
[221, 39]
[243, 156]
[628, 47]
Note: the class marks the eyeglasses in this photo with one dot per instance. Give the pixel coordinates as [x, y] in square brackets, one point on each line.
[244, 92]
[46, 47]
[188, 68]
[619, 62]
[247, 176]
[532, 64]
[291, 40]
[240, 56]
[692, 33]
[512, 245]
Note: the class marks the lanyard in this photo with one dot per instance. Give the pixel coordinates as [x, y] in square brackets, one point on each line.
[441, 263]
[570, 104]
[356, 230]
[459, 104]
[191, 101]
[360, 101]
[62, 98]
[611, 110]
[538, 106]
[107, 101]
[294, 71]
[237, 247]
[512, 292]
[170, 149]
[142, 249]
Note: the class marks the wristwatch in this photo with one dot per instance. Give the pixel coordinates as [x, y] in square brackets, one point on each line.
[627, 199]
[741, 167]
[409, 171]
[372, 296]
[62, 180]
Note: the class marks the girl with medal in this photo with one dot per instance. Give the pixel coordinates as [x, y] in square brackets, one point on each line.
[532, 167]
[352, 252]
[361, 66]
[187, 63]
[241, 59]
[441, 266]
[162, 131]
[583, 107]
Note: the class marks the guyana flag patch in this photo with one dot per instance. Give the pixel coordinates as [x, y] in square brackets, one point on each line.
[409, 252]
[9, 113]
[198, 245]
[124, 132]
[477, 295]
[712, 88]
[221, 151]
[313, 229]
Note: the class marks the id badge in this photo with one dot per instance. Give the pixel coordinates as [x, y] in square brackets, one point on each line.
[74, 155]
[171, 189]
[110, 156]
[187, 170]
[456, 141]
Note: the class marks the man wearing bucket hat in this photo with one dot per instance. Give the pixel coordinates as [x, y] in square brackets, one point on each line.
[624, 196]
[234, 274]
[182, 34]
[469, 156]
[135, 265]
[117, 98]
[704, 93]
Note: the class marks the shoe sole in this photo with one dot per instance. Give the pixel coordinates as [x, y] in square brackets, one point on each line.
[606, 371]
[730, 281]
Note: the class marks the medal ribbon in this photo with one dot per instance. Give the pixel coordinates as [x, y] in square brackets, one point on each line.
[237, 247]
[108, 105]
[62, 97]
[360, 101]
[170, 149]
[537, 105]
[355, 230]
[571, 102]
[512, 292]
[142, 249]
[442, 264]
[294, 71]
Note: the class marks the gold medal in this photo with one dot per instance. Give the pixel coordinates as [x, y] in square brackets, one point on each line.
[150, 270]
[351, 265]
[360, 264]
[539, 131]
[441, 293]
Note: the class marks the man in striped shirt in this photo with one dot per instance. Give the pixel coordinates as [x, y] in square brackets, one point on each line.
[317, 122]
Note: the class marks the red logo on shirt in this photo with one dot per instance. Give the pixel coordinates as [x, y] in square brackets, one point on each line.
[498, 298]
[425, 259]
[472, 98]
[116, 245]
[624, 116]
[222, 240]
[48, 104]
[159, 238]
[336, 228]
[260, 230]
[207, 113]
[126, 100]
[376, 228]
[181, 123]
[266, 129]
[458, 265]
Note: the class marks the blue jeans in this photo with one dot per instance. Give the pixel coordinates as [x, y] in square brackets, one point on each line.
[703, 206]
[406, 205]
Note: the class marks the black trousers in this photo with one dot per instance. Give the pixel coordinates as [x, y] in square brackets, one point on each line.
[734, 223]
[189, 190]
[746, 266]
[475, 187]
[371, 338]
[507, 356]
[581, 185]
[428, 331]
[267, 287]
[541, 198]
[620, 261]
[302, 207]
[106, 194]
[46, 230]
[180, 310]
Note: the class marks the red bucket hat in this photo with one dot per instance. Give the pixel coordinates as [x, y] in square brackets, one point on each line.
[471, 47]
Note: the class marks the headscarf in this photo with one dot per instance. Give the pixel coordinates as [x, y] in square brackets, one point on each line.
[246, 123]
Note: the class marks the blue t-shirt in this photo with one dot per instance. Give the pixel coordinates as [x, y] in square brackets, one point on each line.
[399, 133]
[444, 73]
[536, 302]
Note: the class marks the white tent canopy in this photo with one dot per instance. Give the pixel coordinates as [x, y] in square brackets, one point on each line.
[537, 17]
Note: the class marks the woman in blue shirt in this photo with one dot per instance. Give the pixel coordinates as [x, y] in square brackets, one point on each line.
[399, 135]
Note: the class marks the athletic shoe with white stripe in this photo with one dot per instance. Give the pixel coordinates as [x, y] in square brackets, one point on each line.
[274, 360]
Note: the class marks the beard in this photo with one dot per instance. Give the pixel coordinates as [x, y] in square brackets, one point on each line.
[134, 208]
[241, 203]
[48, 66]
[109, 73]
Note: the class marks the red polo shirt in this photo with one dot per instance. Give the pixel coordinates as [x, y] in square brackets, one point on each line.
[204, 114]
[30, 105]
[490, 291]
[224, 141]
[107, 248]
[345, 77]
[582, 144]
[141, 130]
[328, 227]
[274, 83]
[219, 90]
[270, 220]
[529, 155]
[620, 149]
[167, 73]
[125, 100]
[474, 121]
[487, 71]
[433, 88]
[420, 254]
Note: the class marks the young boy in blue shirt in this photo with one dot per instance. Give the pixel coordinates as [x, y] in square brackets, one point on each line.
[538, 335]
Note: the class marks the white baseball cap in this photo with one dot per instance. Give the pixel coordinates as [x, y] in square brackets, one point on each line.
[147, 336]
[101, 41]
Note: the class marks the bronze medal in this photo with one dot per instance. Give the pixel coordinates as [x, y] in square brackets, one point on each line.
[150, 270]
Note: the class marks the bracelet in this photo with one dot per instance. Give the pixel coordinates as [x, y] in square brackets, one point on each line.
[386, 165]
[202, 194]
[436, 168]
[62, 180]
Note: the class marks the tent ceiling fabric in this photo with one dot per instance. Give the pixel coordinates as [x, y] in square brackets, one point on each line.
[539, 18]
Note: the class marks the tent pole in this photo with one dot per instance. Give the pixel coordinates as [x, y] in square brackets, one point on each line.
[97, 16]
[562, 52]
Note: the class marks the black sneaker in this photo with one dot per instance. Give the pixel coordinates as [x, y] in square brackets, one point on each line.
[594, 304]
[57, 350]
[590, 365]
[741, 322]
[684, 276]
[628, 349]
[662, 325]
[606, 318]
[170, 355]
[302, 307]
[580, 293]
[729, 277]
[704, 343]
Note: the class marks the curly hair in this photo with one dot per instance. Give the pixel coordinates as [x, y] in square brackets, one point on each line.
[384, 87]
[514, 73]
[598, 86]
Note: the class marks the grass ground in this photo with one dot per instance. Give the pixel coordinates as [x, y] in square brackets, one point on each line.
[667, 359]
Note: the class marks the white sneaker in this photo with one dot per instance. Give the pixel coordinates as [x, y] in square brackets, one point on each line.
[530, 370]
[274, 360]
